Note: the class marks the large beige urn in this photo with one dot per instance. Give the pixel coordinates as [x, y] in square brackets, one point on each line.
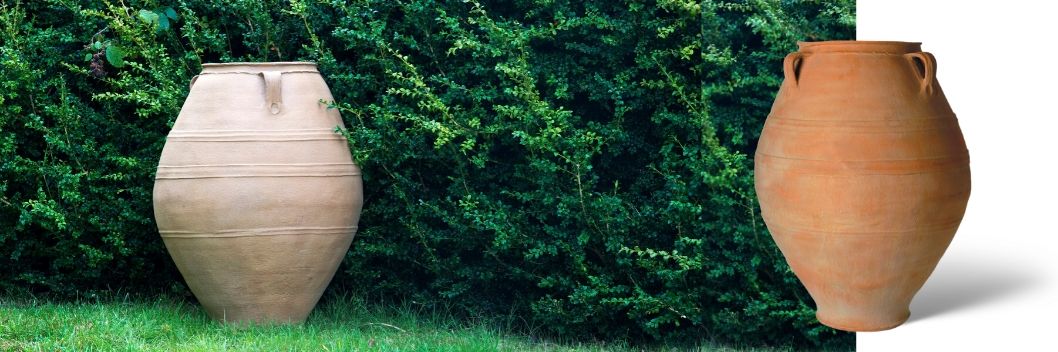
[257, 197]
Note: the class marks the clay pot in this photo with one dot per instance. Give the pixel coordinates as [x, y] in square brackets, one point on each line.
[256, 197]
[862, 176]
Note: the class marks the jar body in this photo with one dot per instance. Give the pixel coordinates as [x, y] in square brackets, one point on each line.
[256, 197]
[863, 177]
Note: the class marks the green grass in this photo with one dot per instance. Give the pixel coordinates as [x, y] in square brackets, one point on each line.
[339, 324]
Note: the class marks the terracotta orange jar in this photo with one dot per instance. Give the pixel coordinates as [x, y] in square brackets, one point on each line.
[863, 177]
[256, 197]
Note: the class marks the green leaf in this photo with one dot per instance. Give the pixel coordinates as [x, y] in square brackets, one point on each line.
[148, 16]
[87, 57]
[97, 45]
[163, 23]
[169, 12]
[115, 56]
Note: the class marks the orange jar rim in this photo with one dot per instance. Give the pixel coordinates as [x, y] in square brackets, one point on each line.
[859, 46]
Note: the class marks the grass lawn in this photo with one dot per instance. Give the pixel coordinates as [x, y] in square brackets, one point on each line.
[338, 324]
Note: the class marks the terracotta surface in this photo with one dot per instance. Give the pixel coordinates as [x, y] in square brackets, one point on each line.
[256, 197]
[862, 176]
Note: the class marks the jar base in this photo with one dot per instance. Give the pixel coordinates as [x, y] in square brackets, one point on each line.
[861, 325]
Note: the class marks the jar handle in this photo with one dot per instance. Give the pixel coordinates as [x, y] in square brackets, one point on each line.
[930, 64]
[192, 84]
[273, 90]
[790, 65]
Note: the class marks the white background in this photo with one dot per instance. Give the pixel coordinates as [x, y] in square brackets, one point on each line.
[996, 289]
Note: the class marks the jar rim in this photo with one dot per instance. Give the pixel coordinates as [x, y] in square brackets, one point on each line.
[865, 46]
[258, 67]
[278, 63]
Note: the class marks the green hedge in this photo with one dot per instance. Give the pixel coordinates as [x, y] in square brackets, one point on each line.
[584, 164]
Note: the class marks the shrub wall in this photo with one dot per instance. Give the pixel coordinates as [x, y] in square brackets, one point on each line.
[583, 164]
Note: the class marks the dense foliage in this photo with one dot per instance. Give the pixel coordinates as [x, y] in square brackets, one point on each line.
[584, 164]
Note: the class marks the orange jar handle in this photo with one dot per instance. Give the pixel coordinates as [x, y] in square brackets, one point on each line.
[790, 65]
[930, 64]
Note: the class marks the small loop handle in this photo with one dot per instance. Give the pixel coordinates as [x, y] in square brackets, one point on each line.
[790, 65]
[930, 75]
[192, 84]
[273, 91]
